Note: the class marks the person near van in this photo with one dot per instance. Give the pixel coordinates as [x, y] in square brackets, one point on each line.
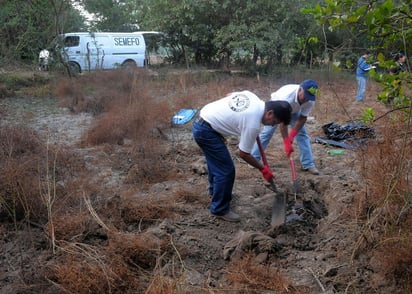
[302, 99]
[238, 114]
[44, 57]
[362, 70]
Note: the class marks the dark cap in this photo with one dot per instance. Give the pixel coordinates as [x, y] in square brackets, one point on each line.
[310, 88]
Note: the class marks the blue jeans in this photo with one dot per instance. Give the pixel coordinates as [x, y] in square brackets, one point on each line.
[220, 166]
[302, 140]
[360, 95]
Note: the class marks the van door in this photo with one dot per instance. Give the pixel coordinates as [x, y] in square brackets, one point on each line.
[72, 52]
[95, 56]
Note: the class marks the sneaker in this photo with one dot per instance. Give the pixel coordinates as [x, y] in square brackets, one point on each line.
[312, 170]
[230, 217]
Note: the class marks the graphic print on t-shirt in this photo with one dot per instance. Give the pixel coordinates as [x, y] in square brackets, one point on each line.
[239, 102]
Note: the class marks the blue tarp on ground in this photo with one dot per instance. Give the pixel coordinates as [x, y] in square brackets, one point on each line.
[183, 116]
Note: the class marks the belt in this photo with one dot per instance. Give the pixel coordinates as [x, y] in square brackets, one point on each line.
[202, 121]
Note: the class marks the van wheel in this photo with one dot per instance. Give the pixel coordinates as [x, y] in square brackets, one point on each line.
[129, 64]
[74, 68]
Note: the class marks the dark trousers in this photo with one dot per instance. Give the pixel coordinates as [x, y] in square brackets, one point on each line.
[221, 170]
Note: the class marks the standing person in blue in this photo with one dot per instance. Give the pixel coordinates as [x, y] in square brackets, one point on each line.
[238, 114]
[362, 69]
[302, 99]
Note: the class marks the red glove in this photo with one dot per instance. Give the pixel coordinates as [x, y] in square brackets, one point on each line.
[267, 173]
[292, 135]
[287, 144]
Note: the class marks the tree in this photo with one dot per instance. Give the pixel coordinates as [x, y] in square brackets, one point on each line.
[26, 27]
[113, 15]
[385, 25]
[268, 30]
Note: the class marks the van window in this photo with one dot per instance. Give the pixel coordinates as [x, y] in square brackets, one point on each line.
[71, 41]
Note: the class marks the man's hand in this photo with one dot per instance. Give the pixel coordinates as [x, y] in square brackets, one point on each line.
[287, 144]
[267, 173]
[292, 135]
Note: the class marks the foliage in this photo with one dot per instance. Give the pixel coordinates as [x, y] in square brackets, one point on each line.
[368, 115]
[113, 15]
[26, 27]
[224, 31]
[386, 25]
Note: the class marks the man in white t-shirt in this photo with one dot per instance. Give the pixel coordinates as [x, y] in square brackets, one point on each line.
[44, 57]
[302, 99]
[238, 114]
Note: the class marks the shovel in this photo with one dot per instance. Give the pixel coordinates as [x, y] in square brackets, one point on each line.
[293, 214]
[279, 205]
[294, 176]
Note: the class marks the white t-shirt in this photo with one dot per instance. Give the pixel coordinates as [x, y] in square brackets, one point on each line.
[44, 53]
[289, 93]
[238, 114]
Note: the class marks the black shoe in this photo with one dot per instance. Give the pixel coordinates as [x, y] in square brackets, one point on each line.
[230, 217]
[312, 170]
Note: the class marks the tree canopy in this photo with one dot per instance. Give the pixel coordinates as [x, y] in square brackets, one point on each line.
[26, 27]
[383, 26]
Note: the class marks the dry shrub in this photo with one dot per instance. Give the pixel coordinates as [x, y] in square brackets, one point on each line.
[29, 174]
[22, 167]
[396, 262]
[386, 205]
[96, 92]
[108, 128]
[70, 95]
[119, 267]
[69, 226]
[5, 91]
[151, 162]
[193, 196]
[147, 210]
[247, 276]
[162, 284]
[386, 168]
[83, 268]
[137, 250]
[131, 113]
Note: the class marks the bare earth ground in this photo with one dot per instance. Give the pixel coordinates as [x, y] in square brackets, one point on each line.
[317, 254]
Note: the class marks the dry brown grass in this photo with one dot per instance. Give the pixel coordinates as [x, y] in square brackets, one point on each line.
[193, 196]
[248, 276]
[385, 208]
[82, 268]
[395, 256]
[123, 265]
[95, 255]
[27, 168]
[148, 210]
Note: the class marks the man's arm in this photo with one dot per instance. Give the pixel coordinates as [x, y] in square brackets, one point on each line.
[264, 169]
[250, 159]
[300, 122]
[283, 130]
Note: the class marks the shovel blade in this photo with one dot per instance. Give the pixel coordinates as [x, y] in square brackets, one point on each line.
[278, 210]
[295, 186]
[279, 207]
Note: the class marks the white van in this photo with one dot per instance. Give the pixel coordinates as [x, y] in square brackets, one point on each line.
[96, 51]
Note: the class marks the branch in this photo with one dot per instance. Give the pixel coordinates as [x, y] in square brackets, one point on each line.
[390, 111]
